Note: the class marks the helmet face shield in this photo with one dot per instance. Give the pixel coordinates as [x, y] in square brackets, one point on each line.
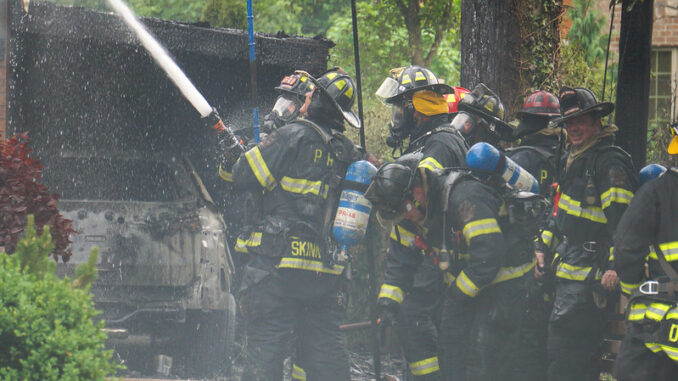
[387, 89]
[402, 120]
[475, 129]
[287, 107]
[464, 123]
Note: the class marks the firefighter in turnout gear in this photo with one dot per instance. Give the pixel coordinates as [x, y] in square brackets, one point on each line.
[420, 205]
[538, 143]
[596, 188]
[486, 295]
[290, 280]
[481, 320]
[420, 113]
[650, 226]
[537, 153]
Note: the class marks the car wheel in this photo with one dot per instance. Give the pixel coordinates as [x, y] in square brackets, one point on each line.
[208, 342]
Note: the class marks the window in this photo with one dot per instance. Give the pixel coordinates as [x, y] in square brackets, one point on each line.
[660, 87]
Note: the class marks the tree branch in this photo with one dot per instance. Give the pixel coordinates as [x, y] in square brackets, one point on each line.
[404, 11]
[440, 32]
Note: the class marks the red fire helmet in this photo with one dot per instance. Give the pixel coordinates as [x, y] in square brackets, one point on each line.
[454, 98]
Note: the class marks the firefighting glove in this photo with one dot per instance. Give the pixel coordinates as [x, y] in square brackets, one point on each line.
[230, 150]
[387, 311]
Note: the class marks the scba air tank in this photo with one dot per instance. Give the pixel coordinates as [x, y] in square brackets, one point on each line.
[353, 212]
[650, 172]
[485, 158]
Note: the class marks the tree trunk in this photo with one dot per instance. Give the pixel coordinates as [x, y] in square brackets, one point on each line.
[512, 46]
[490, 37]
[633, 85]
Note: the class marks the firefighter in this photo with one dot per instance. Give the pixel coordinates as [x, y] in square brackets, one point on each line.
[420, 112]
[650, 349]
[538, 143]
[595, 189]
[488, 296]
[290, 280]
[415, 199]
[537, 153]
[484, 306]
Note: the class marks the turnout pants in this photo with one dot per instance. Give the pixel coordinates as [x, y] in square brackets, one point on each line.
[480, 338]
[417, 330]
[277, 308]
[575, 334]
[650, 348]
[532, 356]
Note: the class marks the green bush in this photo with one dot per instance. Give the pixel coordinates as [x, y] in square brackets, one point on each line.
[46, 327]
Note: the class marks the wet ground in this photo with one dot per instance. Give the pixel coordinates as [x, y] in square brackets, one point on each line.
[361, 370]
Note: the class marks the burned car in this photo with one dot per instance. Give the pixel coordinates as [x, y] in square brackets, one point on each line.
[164, 266]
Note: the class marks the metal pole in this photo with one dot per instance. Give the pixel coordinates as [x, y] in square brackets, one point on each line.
[253, 72]
[607, 53]
[370, 240]
[356, 54]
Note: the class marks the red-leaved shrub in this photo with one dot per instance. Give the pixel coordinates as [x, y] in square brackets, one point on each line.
[22, 194]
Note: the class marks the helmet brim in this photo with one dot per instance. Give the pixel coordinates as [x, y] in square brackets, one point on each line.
[550, 115]
[526, 127]
[288, 91]
[602, 109]
[440, 88]
[503, 128]
[349, 116]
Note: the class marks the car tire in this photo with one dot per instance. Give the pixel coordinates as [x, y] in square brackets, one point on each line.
[208, 341]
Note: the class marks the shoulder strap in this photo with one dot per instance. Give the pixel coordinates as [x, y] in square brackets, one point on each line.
[324, 135]
[593, 158]
[451, 130]
[444, 128]
[452, 179]
[545, 153]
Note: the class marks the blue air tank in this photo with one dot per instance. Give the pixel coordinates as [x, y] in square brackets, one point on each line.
[650, 172]
[353, 212]
[485, 158]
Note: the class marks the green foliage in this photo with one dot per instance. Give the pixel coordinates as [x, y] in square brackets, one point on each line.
[576, 71]
[32, 251]
[583, 57]
[178, 10]
[540, 47]
[586, 31]
[46, 327]
[384, 45]
[225, 13]
[86, 273]
[307, 17]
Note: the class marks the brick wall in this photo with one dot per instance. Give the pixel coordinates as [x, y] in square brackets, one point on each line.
[3, 99]
[4, 46]
[665, 28]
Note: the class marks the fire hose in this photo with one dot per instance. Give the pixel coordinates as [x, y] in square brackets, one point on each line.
[175, 74]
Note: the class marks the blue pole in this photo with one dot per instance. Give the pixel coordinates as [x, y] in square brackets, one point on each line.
[253, 71]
